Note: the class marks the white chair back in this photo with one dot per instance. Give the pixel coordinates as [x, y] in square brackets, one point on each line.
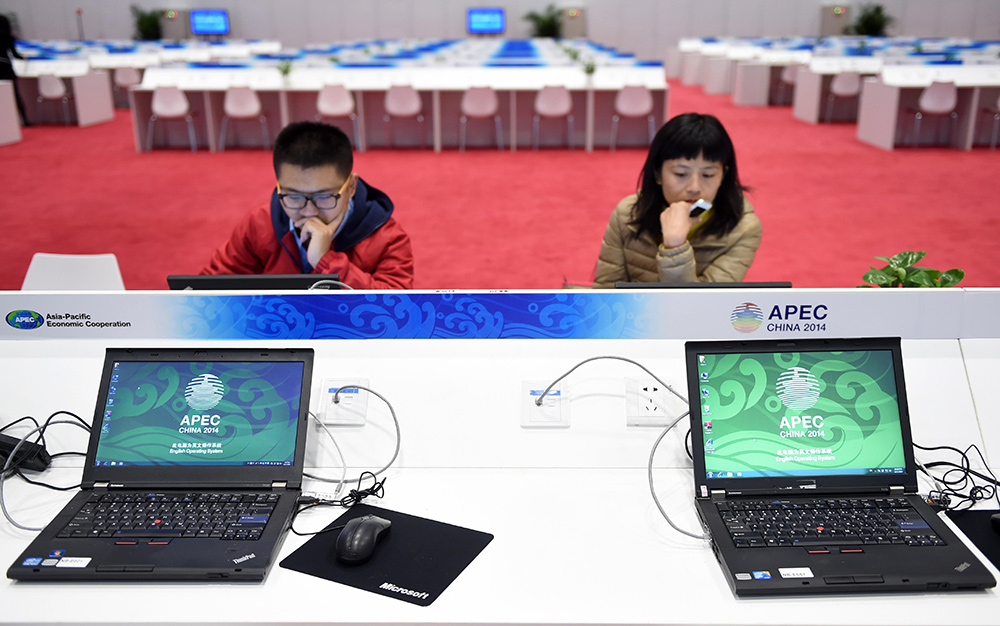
[846, 84]
[938, 98]
[51, 87]
[402, 101]
[241, 102]
[634, 101]
[126, 77]
[169, 102]
[480, 102]
[334, 101]
[73, 272]
[789, 73]
[553, 101]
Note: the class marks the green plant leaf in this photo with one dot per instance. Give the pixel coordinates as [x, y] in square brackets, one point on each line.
[906, 259]
[921, 277]
[951, 278]
[881, 277]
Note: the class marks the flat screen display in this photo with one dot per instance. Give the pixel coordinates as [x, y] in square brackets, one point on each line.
[209, 22]
[485, 21]
[800, 414]
[199, 413]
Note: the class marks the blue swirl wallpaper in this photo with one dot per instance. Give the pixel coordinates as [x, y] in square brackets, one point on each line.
[413, 316]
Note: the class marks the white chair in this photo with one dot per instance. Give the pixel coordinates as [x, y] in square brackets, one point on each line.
[124, 78]
[632, 101]
[938, 98]
[843, 85]
[403, 101]
[996, 124]
[170, 103]
[51, 87]
[553, 101]
[337, 101]
[787, 77]
[480, 102]
[242, 103]
[73, 272]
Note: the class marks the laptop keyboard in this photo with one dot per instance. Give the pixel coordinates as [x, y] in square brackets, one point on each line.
[145, 515]
[825, 522]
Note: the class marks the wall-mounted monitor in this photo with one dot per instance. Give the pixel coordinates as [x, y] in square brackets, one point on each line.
[485, 21]
[209, 22]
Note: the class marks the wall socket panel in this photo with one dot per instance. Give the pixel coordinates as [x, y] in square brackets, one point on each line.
[352, 408]
[554, 411]
[645, 403]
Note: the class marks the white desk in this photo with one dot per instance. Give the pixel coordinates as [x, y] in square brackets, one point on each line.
[755, 81]
[550, 497]
[812, 87]
[885, 115]
[91, 92]
[440, 87]
[10, 122]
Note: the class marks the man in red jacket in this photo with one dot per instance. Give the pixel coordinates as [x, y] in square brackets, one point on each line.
[322, 219]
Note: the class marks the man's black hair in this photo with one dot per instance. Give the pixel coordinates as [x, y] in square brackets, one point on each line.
[311, 144]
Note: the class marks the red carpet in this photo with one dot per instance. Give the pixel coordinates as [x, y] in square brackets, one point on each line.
[526, 220]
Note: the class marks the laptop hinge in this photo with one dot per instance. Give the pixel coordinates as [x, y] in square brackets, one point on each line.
[718, 494]
[896, 490]
[102, 485]
[279, 484]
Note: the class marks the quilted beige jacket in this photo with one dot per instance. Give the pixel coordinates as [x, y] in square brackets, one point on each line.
[707, 258]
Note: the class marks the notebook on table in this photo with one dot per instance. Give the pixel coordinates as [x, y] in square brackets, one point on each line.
[804, 471]
[192, 472]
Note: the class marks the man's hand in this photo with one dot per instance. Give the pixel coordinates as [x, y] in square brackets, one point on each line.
[317, 236]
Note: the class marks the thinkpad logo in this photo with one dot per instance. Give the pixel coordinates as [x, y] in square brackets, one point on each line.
[963, 567]
[243, 559]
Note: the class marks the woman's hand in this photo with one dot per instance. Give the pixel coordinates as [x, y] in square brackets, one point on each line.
[676, 222]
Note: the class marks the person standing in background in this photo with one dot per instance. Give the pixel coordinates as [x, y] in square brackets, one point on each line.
[9, 51]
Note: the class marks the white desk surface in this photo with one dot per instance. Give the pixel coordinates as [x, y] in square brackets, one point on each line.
[839, 65]
[64, 68]
[550, 497]
[924, 75]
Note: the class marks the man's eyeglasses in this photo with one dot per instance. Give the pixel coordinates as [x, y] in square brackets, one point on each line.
[322, 201]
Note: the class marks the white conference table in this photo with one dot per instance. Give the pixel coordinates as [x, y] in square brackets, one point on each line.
[812, 87]
[755, 80]
[10, 122]
[91, 101]
[294, 97]
[888, 102]
[578, 539]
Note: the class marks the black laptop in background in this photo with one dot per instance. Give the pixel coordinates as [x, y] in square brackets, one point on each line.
[193, 469]
[804, 473]
[254, 282]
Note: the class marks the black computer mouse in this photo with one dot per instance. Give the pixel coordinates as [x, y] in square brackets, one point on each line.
[995, 520]
[358, 539]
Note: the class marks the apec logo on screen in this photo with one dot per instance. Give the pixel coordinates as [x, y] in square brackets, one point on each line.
[748, 317]
[202, 394]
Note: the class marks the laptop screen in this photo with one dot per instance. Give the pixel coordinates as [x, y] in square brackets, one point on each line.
[800, 415]
[198, 413]
[176, 418]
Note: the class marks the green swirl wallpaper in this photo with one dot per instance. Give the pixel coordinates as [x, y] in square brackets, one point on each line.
[799, 414]
[200, 413]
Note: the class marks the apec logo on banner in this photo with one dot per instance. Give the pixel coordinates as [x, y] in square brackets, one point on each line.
[748, 317]
[25, 320]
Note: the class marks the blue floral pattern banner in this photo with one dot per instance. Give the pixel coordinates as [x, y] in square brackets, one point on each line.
[411, 316]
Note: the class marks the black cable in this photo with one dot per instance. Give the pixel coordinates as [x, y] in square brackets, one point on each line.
[355, 496]
[687, 444]
[46, 485]
[959, 481]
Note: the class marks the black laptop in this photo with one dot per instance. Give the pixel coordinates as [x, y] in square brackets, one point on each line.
[804, 473]
[193, 469]
[254, 282]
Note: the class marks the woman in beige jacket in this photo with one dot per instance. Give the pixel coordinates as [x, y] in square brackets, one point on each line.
[652, 236]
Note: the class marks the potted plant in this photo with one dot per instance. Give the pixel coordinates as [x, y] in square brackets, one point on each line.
[900, 271]
[147, 24]
[547, 23]
[871, 22]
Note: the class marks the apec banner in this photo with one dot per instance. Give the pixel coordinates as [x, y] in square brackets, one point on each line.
[611, 314]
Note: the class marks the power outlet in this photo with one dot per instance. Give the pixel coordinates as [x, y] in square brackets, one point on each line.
[352, 408]
[554, 410]
[645, 403]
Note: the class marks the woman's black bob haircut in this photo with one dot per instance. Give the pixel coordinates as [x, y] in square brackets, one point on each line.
[689, 136]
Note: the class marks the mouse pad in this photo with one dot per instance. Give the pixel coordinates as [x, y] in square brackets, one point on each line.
[414, 563]
[977, 527]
